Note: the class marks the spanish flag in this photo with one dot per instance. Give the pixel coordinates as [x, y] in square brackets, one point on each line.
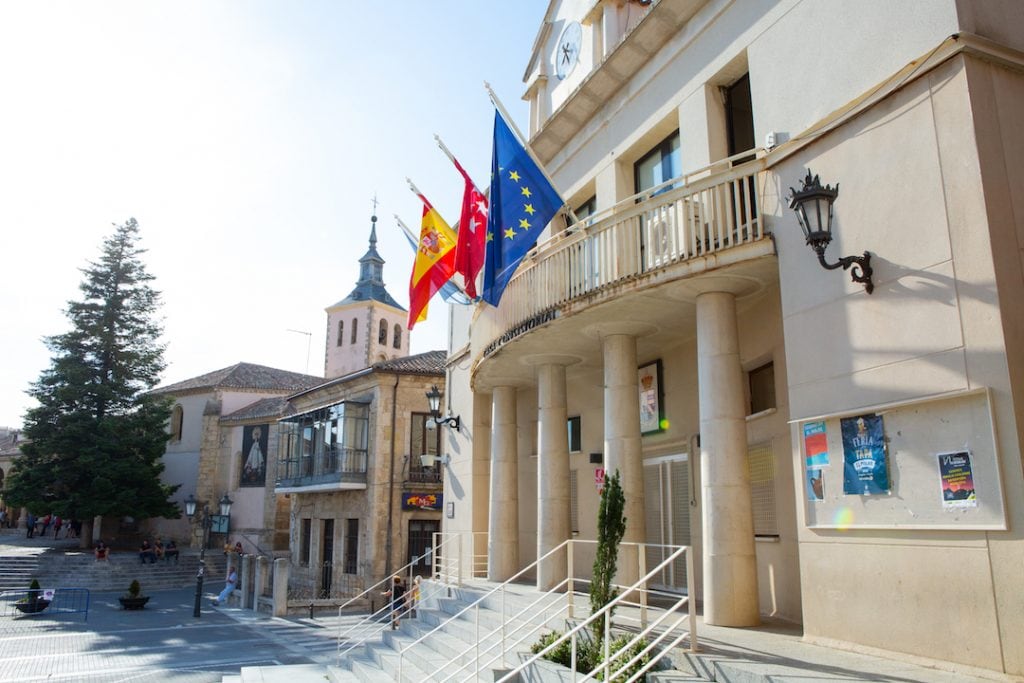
[435, 261]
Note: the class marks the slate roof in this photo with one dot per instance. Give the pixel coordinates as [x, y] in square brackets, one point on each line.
[244, 376]
[264, 409]
[370, 286]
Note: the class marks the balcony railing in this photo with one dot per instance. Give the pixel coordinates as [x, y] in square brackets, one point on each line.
[685, 219]
[332, 466]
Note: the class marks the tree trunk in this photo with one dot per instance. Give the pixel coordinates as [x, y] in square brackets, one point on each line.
[85, 538]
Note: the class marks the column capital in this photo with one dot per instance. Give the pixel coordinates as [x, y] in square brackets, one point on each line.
[608, 329]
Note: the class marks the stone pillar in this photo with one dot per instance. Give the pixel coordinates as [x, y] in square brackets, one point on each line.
[730, 563]
[554, 523]
[622, 448]
[259, 582]
[503, 513]
[244, 581]
[23, 515]
[281, 568]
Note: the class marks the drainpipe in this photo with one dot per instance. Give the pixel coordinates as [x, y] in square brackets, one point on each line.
[391, 479]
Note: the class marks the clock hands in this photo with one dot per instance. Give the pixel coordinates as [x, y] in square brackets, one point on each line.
[566, 52]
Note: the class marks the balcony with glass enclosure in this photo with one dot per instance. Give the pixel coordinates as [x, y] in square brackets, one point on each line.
[324, 449]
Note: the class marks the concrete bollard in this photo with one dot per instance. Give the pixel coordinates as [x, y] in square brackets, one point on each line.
[244, 581]
[281, 568]
[259, 581]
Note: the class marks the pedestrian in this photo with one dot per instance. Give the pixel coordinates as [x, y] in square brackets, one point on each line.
[397, 596]
[3, 519]
[46, 525]
[30, 525]
[57, 523]
[229, 587]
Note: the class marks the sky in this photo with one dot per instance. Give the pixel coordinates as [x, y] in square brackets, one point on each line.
[249, 139]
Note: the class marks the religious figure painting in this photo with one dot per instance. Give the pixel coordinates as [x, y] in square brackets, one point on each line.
[254, 455]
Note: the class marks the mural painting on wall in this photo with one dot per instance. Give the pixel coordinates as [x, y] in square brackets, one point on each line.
[865, 470]
[254, 455]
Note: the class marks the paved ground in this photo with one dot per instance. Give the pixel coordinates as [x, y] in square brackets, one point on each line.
[162, 642]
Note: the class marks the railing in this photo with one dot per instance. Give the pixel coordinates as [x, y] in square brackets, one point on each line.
[696, 215]
[378, 621]
[332, 465]
[449, 568]
[492, 648]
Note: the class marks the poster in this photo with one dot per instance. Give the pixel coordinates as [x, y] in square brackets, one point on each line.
[815, 485]
[254, 455]
[816, 445]
[865, 470]
[651, 409]
[422, 501]
[957, 478]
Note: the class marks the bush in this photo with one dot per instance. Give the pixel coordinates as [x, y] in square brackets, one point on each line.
[134, 589]
[615, 646]
[34, 585]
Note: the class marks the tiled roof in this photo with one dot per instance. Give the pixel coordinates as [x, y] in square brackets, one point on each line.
[267, 408]
[244, 376]
[429, 363]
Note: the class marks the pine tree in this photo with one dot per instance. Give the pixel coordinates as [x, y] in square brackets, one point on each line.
[97, 436]
[611, 527]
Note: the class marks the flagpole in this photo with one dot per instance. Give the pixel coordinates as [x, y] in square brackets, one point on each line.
[416, 191]
[522, 140]
[405, 227]
[451, 157]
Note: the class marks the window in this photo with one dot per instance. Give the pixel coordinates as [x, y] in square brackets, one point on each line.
[575, 438]
[398, 337]
[330, 442]
[350, 561]
[739, 116]
[425, 439]
[661, 164]
[761, 465]
[761, 382]
[341, 332]
[382, 332]
[177, 422]
[355, 329]
[306, 535]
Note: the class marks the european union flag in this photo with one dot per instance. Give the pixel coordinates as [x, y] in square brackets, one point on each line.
[522, 204]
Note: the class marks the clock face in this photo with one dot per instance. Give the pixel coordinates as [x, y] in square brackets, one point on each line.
[567, 53]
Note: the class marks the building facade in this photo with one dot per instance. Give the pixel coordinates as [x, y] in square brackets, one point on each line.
[842, 458]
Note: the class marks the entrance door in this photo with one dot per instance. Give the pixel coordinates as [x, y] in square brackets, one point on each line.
[421, 540]
[667, 490]
[327, 558]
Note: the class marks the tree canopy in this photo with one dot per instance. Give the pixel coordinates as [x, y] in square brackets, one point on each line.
[97, 436]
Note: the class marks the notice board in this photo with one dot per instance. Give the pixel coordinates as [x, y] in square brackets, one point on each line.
[939, 467]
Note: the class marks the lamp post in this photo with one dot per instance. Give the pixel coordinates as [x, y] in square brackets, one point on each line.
[434, 401]
[206, 522]
[813, 207]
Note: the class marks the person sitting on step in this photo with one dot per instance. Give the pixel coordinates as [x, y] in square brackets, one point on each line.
[102, 552]
[171, 551]
[146, 553]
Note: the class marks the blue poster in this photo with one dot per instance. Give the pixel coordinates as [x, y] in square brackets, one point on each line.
[865, 470]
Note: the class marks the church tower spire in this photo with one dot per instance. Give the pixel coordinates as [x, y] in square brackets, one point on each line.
[365, 327]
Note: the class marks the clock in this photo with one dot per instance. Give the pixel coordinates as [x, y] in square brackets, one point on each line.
[567, 53]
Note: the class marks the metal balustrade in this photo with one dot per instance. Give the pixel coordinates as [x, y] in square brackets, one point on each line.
[332, 465]
[695, 216]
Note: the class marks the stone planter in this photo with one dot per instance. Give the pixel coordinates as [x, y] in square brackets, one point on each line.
[134, 603]
[33, 606]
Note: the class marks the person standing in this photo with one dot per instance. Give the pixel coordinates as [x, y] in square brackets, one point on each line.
[397, 596]
[30, 525]
[57, 523]
[229, 587]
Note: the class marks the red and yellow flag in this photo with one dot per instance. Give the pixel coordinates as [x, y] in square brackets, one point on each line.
[435, 262]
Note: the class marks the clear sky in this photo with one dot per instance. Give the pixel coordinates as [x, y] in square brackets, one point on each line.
[248, 138]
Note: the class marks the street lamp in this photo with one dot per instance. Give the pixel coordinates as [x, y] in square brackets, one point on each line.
[813, 207]
[434, 401]
[206, 522]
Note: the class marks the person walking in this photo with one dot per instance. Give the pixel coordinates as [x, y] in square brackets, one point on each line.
[30, 525]
[397, 596]
[229, 587]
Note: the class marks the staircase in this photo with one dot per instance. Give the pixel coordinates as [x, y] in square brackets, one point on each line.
[17, 571]
[80, 569]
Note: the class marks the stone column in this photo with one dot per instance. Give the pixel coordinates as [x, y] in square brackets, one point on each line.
[23, 515]
[503, 513]
[244, 585]
[730, 563]
[259, 581]
[554, 523]
[622, 449]
[281, 568]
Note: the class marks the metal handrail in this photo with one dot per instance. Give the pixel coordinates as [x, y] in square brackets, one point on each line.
[375, 616]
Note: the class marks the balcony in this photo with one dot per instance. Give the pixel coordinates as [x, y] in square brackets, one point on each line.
[334, 469]
[689, 225]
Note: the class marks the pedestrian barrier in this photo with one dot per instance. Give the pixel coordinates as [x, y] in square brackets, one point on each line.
[50, 602]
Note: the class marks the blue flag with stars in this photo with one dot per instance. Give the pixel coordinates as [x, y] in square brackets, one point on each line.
[522, 204]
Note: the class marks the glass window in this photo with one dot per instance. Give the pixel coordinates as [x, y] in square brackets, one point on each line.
[350, 560]
[398, 337]
[425, 436]
[341, 332]
[575, 438]
[586, 209]
[762, 388]
[306, 535]
[382, 332]
[661, 164]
